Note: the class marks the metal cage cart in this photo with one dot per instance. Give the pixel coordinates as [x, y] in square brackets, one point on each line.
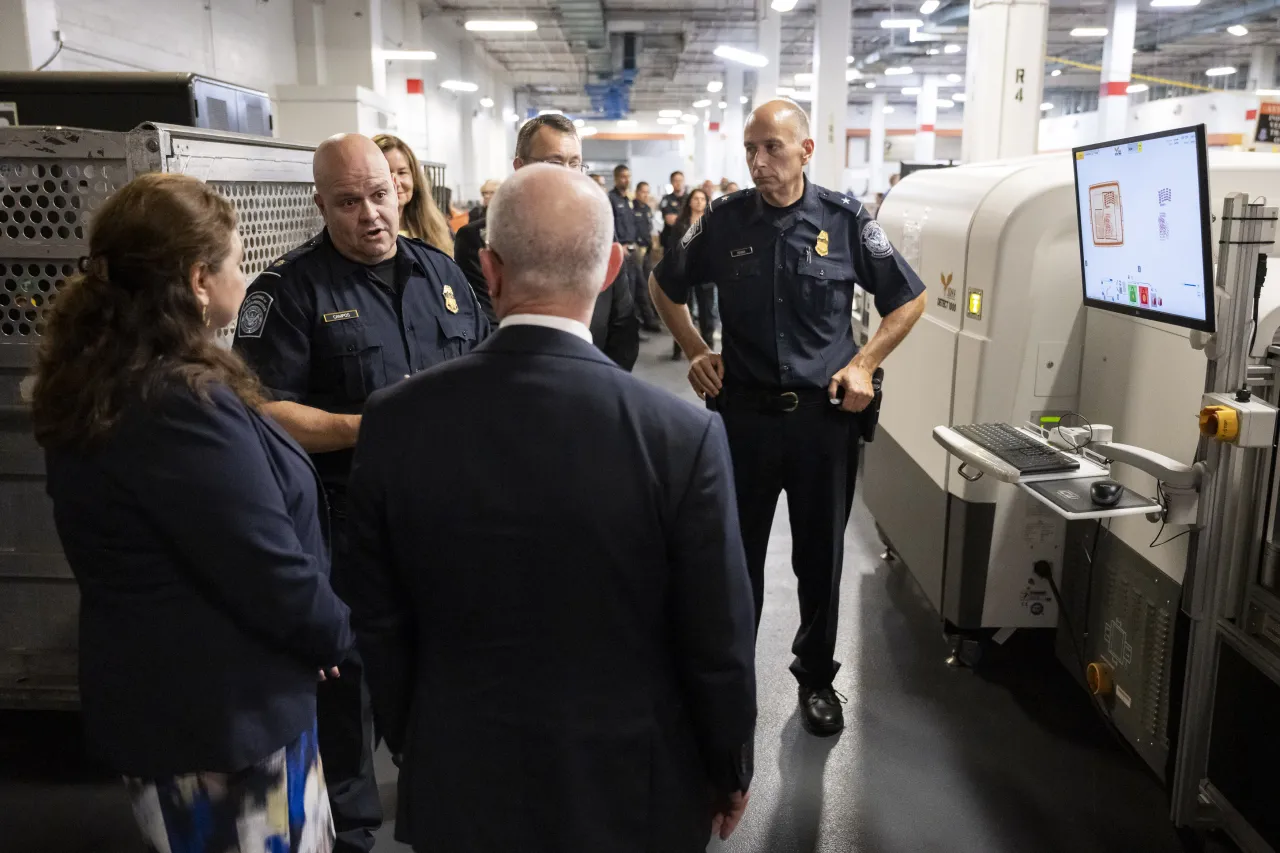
[52, 181]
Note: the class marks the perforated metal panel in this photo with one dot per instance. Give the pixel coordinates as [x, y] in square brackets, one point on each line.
[274, 218]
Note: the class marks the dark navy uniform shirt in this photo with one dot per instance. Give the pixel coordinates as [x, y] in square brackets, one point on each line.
[786, 278]
[644, 222]
[671, 205]
[624, 218]
[324, 331]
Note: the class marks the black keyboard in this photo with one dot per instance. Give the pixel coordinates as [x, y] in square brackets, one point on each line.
[1017, 448]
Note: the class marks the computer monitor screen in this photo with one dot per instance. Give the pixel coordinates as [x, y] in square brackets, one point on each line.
[1142, 206]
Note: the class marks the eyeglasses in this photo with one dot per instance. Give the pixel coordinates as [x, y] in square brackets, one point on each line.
[576, 165]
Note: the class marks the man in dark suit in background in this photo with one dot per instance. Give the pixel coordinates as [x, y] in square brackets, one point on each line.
[554, 610]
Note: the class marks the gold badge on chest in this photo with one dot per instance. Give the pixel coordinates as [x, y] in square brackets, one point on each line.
[449, 301]
[821, 246]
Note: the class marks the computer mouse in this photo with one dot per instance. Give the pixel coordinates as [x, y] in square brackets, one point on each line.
[1106, 492]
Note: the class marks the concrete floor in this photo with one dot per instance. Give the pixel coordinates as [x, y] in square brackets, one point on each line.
[1008, 759]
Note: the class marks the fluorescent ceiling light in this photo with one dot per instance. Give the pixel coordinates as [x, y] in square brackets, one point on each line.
[872, 58]
[960, 97]
[952, 48]
[803, 96]
[899, 71]
[849, 60]
[688, 118]
[1173, 4]
[501, 26]
[715, 86]
[933, 51]
[1135, 88]
[487, 103]
[786, 92]
[670, 113]
[546, 112]
[901, 23]
[954, 78]
[579, 123]
[782, 5]
[804, 77]
[1045, 107]
[746, 57]
[699, 105]
[945, 103]
[1221, 71]
[916, 35]
[888, 110]
[422, 55]
[627, 122]
[1267, 93]
[1238, 30]
[1089, 32]
[511, 116]
[852, 74]
[929, 7]
[744, 100]
[669, 120]
[459, 86]
[871, 84]
[724, 105]
[1057, 72]
[911, 90]
[588, 131]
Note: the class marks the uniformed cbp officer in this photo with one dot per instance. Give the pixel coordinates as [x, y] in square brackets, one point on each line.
[785, 257]
[353, 310]
[670, 206]
[624, 233]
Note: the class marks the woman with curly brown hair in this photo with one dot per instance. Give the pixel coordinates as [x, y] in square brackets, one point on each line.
[419, 215]
[195, 530]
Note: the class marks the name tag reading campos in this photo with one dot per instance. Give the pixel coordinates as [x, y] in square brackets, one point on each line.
[349, 314]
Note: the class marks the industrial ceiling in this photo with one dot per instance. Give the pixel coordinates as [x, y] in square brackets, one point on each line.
[576, 43]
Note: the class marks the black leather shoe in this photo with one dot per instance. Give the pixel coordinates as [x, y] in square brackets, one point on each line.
[820, 711]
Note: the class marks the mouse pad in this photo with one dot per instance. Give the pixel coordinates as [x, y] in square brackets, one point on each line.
[1073, 495]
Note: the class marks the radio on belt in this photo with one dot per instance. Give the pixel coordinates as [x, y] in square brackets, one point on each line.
[1244, 423]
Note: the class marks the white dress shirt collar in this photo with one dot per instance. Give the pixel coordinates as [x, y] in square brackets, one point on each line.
[564, 324]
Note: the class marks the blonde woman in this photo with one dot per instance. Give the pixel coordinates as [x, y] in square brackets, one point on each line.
[419, 216]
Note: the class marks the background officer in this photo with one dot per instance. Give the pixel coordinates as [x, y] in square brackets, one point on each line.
[786, 256]
[644, 231]
[353, 310]
[624, 233]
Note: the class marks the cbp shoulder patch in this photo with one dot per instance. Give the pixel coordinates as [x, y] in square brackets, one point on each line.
[694, 230]
[876, 241]
[253, 315]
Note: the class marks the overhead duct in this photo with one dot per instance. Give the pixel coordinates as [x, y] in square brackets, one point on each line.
[583, 25]
[1241, 13]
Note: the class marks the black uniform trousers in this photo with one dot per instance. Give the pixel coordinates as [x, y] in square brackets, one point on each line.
[345, 732]
[811, 454]
[634, 267]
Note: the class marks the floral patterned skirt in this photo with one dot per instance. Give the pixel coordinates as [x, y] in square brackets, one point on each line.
[279, 805]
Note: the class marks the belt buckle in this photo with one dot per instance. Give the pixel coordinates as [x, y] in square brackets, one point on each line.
[793, 400]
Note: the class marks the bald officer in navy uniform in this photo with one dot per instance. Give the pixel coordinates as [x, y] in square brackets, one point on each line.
[785, 256]
[353, 310]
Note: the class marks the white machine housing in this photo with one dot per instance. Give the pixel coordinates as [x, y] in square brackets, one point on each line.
[1023, 347]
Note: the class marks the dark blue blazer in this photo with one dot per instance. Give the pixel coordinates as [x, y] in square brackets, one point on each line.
[553, 608]
[197, 534]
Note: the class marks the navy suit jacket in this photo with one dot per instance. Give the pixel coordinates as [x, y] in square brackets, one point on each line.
[197, 533]
[553, 608]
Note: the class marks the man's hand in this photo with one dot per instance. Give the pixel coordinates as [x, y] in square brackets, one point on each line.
[332, 673]
[706, 374]
[858, 390]
[729, 814]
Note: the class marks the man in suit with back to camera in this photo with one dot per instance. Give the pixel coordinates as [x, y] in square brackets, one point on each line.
[554, 610]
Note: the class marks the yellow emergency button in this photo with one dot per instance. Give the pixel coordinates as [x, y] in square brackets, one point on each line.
[1219, 422]
[1099, 677]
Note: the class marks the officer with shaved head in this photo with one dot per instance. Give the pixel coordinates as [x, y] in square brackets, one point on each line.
[790, 381]
[353, 310]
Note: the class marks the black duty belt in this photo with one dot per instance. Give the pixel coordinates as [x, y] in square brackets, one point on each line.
[767, 400]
